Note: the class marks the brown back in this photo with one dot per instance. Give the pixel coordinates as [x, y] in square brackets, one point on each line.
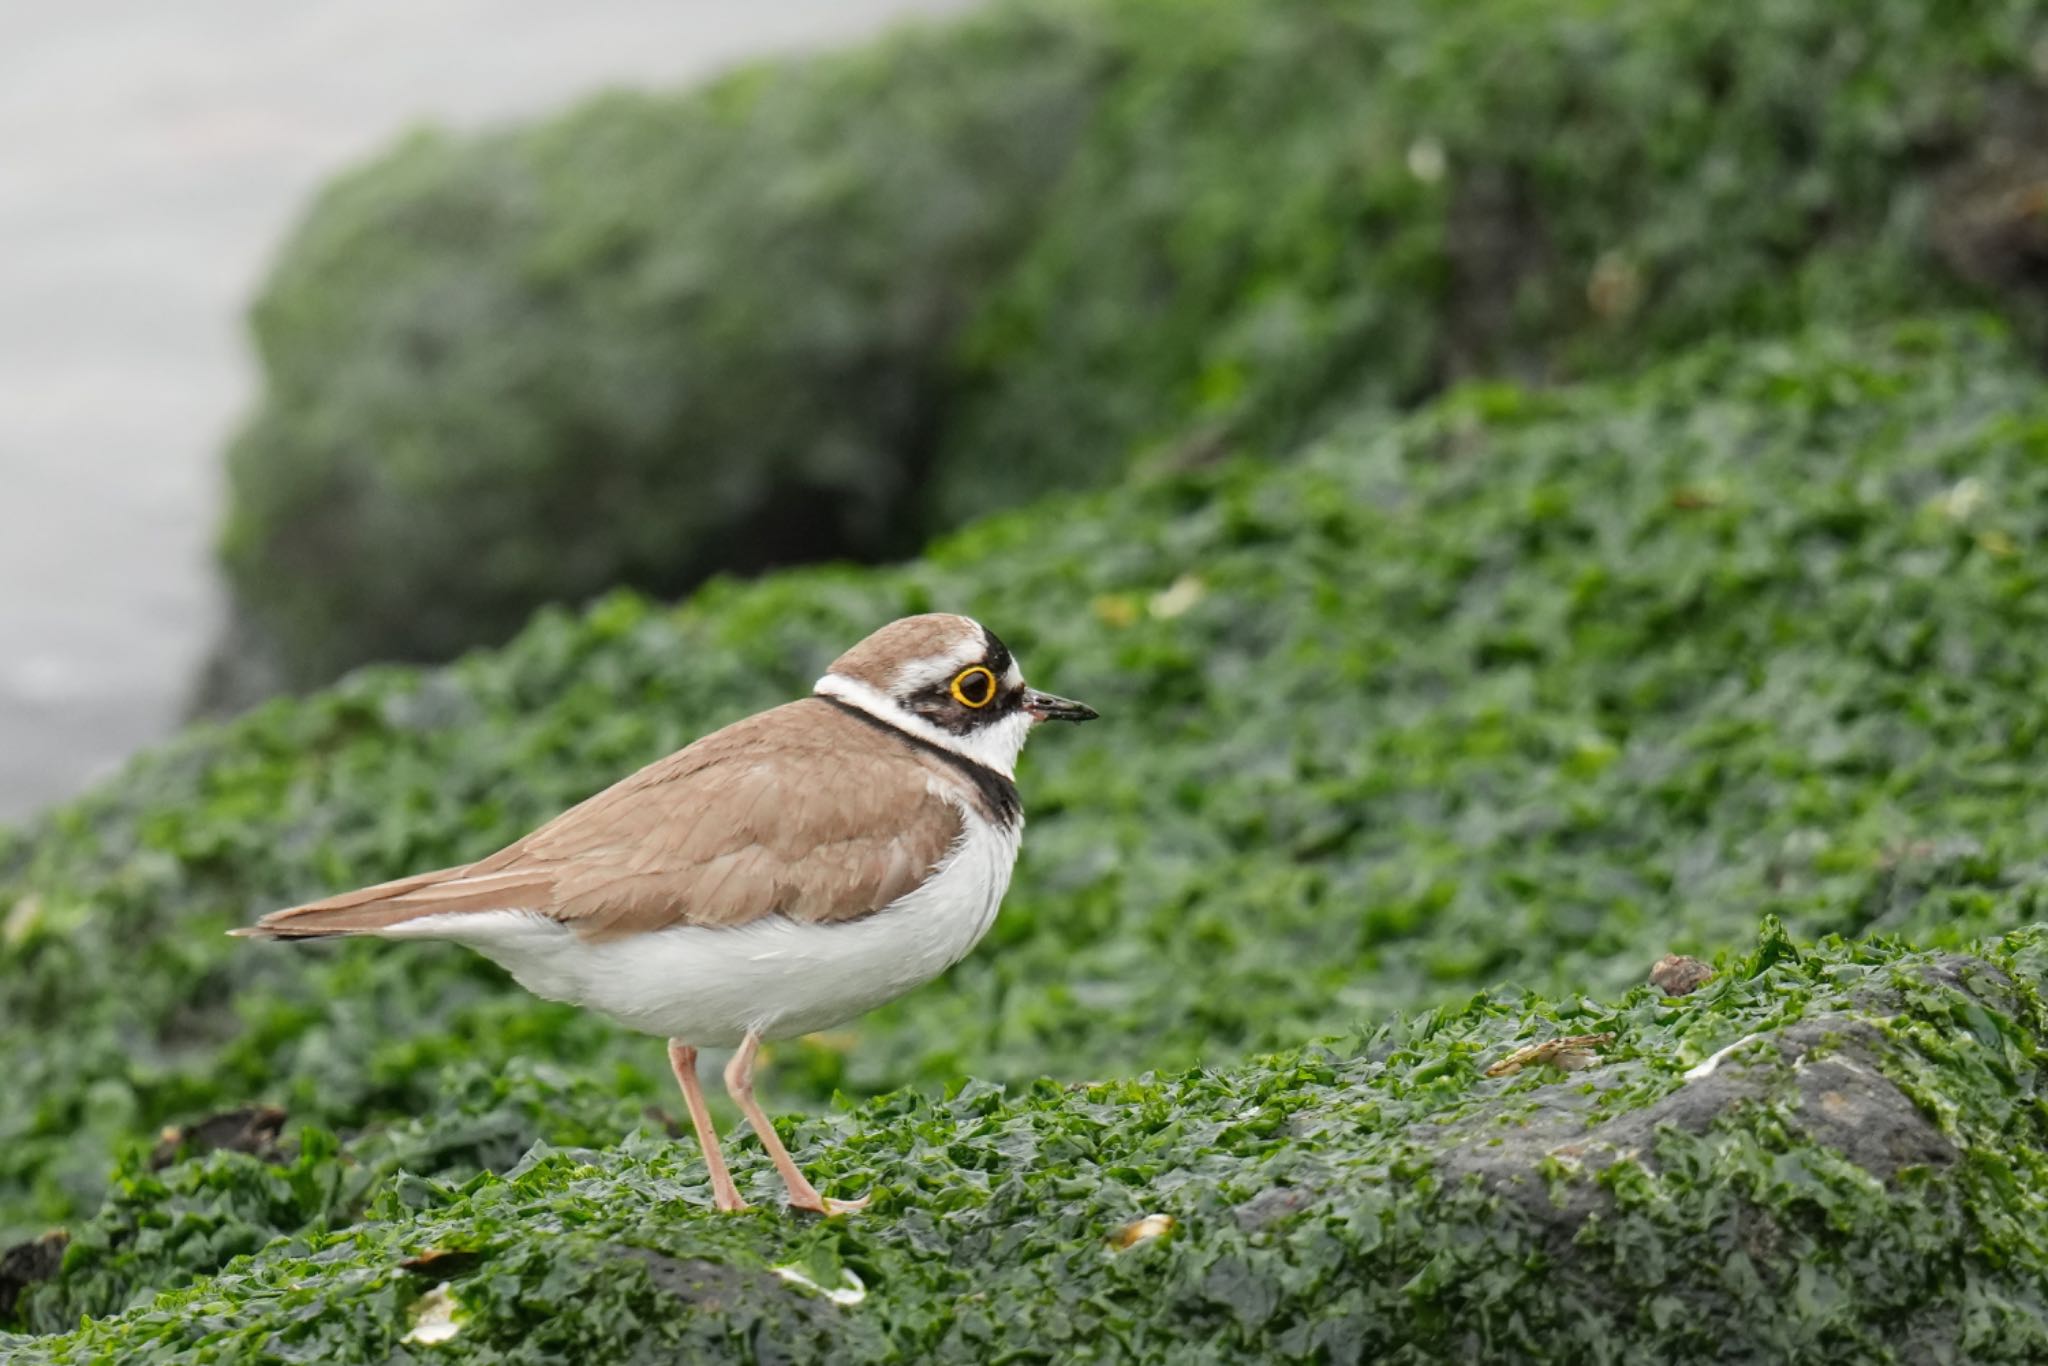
[803, 811]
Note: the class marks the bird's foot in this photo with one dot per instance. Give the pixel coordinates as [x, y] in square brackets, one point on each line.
[825, 1204]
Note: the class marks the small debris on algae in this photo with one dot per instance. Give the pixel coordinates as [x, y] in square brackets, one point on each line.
[1567, 1054]
[433, 1317]
[24, 1264]
[21, 918]
[1177, 597]
[448, 1261]
[1677, 975]
[251, 1129]
[851, 1289]
[1140, 1231]
[1701, 1070]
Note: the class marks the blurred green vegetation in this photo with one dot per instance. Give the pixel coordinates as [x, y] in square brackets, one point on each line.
[660, 336]
[822, 308]
[1532, 686]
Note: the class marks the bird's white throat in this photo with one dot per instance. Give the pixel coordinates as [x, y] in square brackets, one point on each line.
[995, 745]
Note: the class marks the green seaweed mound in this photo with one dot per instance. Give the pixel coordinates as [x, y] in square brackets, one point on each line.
[657, 337]
[822, 308]
[1529, 687]
[1835, 1154]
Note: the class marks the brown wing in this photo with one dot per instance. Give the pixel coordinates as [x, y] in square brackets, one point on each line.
[800, 811]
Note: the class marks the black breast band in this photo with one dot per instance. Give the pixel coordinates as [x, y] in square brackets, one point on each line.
[999, 798]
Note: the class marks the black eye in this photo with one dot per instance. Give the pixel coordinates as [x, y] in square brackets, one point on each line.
[974, 687]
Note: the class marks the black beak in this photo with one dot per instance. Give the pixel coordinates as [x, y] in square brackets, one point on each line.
[1045, 707]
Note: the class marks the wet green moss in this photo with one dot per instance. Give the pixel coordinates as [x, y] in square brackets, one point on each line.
[1532, 688]
[1309, 1212]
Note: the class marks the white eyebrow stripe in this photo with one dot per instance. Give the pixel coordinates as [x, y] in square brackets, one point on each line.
[931, 669]
[995, 744]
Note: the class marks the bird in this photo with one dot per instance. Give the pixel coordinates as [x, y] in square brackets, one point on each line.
[782, 875]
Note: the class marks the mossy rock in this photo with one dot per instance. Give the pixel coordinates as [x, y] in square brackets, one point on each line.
[823, 308]
[1531, 687]
[660, 336]
[1828, 1153]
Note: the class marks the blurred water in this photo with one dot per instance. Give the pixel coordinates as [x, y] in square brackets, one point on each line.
[151, 156]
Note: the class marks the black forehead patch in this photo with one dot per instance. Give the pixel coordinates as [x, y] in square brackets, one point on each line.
[994, 653]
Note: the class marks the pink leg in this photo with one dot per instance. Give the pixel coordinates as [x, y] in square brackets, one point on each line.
[739, 1083]
[724, 1193]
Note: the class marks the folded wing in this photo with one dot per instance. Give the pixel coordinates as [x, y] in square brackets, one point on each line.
[798, 812]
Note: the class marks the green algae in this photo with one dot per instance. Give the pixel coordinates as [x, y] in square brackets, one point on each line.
[1532, 688]
[1311, 1213]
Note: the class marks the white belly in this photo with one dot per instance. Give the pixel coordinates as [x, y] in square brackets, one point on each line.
[780, 977]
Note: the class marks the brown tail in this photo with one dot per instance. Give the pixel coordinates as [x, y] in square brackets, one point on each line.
[373, 909]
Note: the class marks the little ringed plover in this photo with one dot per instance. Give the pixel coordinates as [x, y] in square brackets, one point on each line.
[779, 876]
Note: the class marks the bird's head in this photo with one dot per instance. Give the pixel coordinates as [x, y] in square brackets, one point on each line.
[950, 680]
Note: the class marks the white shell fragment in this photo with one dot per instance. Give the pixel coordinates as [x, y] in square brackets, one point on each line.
[433, 1317]
[1709, 1066]
[1177, 597]
[850, 1290]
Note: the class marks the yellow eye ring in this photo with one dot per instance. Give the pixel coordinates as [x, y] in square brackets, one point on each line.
[981, 680]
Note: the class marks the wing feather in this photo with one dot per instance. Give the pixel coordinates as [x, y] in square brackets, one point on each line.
[798, 811]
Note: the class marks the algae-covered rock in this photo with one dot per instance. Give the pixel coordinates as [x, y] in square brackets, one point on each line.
[1833, 1153]
[823, 308]
[660, 336]
[1532, 687]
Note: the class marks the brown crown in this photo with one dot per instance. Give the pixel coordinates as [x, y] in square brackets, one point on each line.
[877, 660]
